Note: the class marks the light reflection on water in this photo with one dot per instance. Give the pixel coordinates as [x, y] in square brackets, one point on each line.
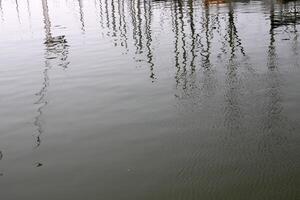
[149, 99]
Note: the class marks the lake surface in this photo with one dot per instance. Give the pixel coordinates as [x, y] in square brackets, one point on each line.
[141, 99]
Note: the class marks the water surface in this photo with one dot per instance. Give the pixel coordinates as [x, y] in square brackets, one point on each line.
[134, 99]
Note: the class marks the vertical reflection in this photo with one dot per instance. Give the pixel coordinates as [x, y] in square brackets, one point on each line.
[106, 14]
[183, 40]
[100, 12]
[123, 24]
[205, 52]
[18, 12]
[273, 119]
[81, 15]
[56, 54]
[234, 40]
[148, 21]
[139, 27]
[1, 156]
[175, 30]
[29, 15]
[295, 46]
[233, 113]
[134, 23]
[113, 19]
[271, 49]
[1, 11]
[192, 27]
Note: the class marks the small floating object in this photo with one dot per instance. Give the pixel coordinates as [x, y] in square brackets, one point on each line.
[38, 164]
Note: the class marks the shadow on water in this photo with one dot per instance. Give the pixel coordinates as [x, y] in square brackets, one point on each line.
[56, 54]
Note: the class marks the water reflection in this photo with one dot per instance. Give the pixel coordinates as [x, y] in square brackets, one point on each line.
[1, 156]
[205, 37]
[56, 54]
[286, 13]
[81, 15]
[190, 40]
[230, 92]
[18, 12]
[1, 11]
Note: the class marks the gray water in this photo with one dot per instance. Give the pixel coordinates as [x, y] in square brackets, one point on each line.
[141, 99]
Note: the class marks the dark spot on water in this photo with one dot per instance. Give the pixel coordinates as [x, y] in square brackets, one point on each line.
[38, 164]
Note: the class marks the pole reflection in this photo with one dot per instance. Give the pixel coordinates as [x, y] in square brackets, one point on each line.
[18, 12]
[1, 157]
[56, 54]
[1, 11]
[204, 37]
[80, 4]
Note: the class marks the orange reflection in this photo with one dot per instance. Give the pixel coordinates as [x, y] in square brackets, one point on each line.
[213, 2]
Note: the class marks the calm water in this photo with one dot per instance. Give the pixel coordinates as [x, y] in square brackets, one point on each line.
[141, 99]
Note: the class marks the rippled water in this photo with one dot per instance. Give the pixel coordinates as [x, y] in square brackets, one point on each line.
[141, 99]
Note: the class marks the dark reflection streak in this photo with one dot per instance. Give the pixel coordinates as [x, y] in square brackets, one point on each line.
[1, 11]
[107, 14]
[218, 29]
[271, 51]
[273, 106]
[81, 15]
[29, 15]
[124, 27]
[233, 114]
[120, 25]
[192, 26]
[295, 39]
[113, 18]
[205, 52]
[233, 34]
[56, 50]
[1, 156]
[148, 17]
[134, 22]
[28, 9]
[18, 12]
[175, 29]
[42, 93]
[101, 13]
[47, 22]
[183, 39]
[230, 30]
[139, 24]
